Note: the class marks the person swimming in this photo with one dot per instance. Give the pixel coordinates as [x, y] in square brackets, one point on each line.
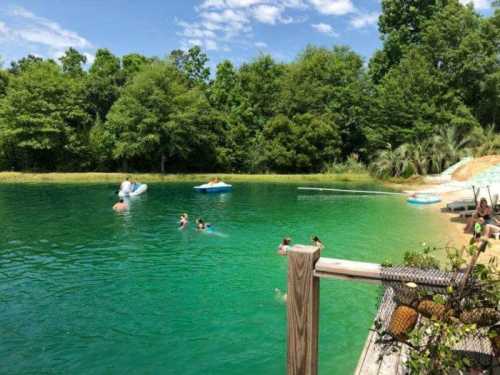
[317, 242]
[285, 246]
[201, 225]
[183, 221]
[120, 206]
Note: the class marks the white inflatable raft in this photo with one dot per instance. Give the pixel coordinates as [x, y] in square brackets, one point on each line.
[219, 187]
[141, 188]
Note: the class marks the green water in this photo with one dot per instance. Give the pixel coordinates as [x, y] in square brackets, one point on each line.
[86, 290]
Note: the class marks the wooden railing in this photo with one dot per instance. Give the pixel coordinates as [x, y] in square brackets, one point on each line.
[305, 268]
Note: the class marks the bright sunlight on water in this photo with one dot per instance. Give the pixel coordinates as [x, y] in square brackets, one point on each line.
[86, 290]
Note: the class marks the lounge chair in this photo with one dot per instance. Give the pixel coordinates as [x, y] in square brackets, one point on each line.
[465, 204]
[461, 205]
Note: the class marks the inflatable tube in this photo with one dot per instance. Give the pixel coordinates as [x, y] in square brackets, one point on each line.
[140, 189]
[424, 199]
[219, 187]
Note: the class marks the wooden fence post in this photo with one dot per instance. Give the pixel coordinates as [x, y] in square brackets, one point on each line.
[302, 311]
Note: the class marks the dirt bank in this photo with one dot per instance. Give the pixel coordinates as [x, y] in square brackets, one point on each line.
[475, 167]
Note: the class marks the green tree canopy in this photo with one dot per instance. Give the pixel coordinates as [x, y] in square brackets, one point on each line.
[40, 116]
[72, 62]
[103, 87]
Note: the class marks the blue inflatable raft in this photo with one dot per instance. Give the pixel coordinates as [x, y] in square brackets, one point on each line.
[424, 199]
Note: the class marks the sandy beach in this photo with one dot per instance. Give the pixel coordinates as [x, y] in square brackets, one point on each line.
[453, 224]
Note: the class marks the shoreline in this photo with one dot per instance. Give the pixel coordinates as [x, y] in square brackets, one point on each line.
[117, 177]
[453, 224]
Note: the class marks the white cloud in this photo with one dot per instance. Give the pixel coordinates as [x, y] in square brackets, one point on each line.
[195, 42]
[214, 26]
[294, 4]
[206, 44]
[226, 16]
[324, 29]
[215, 4]
[478, 4]
[24, 32]
[260, 45]
[57, 55]
[39, 30]
[267, 14]
[231, 21]
[222, 4]
[333, 7]
[210, 44]
[195, 30]
[90, 58]
[364, 20]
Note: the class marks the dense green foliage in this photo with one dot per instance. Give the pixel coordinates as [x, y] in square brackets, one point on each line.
[429, 96]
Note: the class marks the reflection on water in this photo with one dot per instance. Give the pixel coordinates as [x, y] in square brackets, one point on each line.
[86, 290]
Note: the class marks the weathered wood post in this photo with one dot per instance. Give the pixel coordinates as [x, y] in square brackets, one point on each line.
[302, 311]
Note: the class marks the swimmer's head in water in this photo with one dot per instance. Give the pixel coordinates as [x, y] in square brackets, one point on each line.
[316, 239]
[287, 241]
[121, 200]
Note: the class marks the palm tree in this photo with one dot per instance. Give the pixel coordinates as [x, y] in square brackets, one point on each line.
[447, 148]
[385, 163]
[490, 143]
[420, 158]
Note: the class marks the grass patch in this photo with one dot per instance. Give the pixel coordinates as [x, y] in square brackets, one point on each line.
[95, 177]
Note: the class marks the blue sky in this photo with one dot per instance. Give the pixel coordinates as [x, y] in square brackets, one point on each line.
[234, 29]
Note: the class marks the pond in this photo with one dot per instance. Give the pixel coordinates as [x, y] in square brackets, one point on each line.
[86, 290]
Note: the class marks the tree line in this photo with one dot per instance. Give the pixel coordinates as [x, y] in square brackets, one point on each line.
[427, 97]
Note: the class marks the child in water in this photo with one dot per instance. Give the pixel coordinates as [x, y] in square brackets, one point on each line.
[183, 221]
[317, 242]
[284, 246]
[201, 225]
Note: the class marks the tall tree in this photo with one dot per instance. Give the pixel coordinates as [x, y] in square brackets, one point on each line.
[72, 62]
[104, 82]
[160, 119]
[330, 82]
[39, 118]
[400, 25]
[411, 103]
[193, 64]
[132, 64]
[308, 143]
[260, 89]
[17, 67]
[224, 91]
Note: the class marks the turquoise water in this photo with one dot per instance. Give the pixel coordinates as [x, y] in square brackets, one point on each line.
[85, 290]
